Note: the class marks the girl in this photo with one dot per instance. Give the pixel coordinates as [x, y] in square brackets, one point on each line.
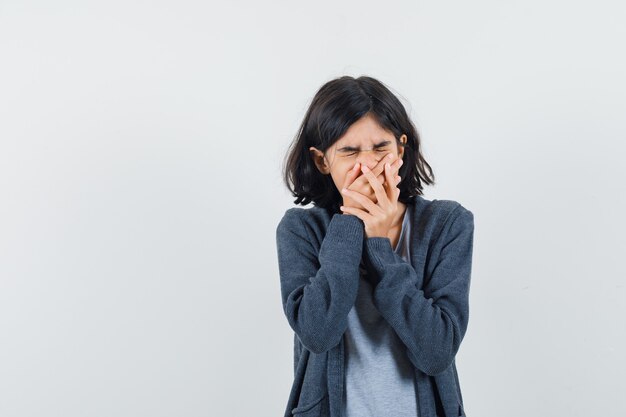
[374, 278]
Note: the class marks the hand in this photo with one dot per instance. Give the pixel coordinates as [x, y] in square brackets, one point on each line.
[355, 181]
[378, 217]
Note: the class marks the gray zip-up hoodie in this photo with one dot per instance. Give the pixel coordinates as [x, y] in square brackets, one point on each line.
[319, 253]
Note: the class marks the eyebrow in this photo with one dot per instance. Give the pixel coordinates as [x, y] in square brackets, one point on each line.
[352, 148]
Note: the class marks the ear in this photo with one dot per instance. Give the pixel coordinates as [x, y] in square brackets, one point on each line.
[319, 160]
[403, 139]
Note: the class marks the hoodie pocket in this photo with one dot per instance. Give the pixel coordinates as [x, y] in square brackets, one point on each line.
[311, 409]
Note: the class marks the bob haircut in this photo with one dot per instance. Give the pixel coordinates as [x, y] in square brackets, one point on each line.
[335, 107]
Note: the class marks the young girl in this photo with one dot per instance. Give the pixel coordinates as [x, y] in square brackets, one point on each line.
[374, 278]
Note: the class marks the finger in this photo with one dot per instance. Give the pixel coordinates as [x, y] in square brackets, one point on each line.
[380, 167]
[361, 214]
[362, 186]
[361, 183]
[395, 161]
[390, 176]
[351, 183]
[396, 189]
[379, 190]
[397, 165]
[367, 203]
[378, 170]
[352, 175]
[395, 169]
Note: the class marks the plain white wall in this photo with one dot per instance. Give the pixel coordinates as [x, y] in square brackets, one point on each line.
[140, 153]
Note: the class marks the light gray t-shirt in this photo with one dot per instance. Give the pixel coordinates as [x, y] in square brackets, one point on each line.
[379, 378]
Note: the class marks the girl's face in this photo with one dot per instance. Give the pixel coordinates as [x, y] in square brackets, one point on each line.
[365, 142]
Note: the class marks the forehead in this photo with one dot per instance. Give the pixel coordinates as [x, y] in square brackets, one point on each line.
[364, 132]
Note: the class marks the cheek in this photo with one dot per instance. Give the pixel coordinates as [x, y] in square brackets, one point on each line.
[339, 174]
[338, 178]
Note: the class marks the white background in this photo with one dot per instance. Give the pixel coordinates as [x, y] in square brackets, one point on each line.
[140, 187]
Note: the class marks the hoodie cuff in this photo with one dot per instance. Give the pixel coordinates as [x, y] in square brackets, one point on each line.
[343, 241]
[379, 252]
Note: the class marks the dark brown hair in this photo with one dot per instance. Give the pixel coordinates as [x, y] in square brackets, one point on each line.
[335, 107]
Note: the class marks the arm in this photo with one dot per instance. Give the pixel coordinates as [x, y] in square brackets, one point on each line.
[318, 290]
[431, 322]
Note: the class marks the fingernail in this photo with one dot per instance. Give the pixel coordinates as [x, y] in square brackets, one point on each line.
[401, 162]
[390, 156]
[345, 190]
[365, 168]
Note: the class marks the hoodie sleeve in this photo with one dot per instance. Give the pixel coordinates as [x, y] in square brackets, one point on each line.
[431, 322]
[319, 289]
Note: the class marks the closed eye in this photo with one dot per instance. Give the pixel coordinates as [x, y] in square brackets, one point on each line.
[377, 150]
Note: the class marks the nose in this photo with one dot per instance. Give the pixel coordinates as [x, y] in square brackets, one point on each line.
[368, 158]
